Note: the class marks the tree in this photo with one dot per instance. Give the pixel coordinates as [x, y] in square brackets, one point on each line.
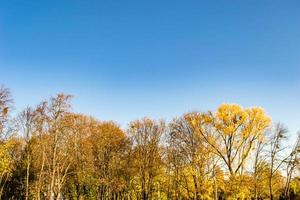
[146, 135]
[192, 158]
[291, 163]
[80, 183]
[259, 165]
[51, 160]
[5, 144]
[275, 157]
[109, 144]
[50, 152]
[232, 132]
[26, 126]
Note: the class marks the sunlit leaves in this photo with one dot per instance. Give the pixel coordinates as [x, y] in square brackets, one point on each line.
[199, 155]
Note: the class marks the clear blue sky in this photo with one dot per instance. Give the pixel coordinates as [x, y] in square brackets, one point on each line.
[123, 60]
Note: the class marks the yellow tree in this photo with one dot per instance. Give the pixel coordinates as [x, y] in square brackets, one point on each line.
[192, 160]
[50, 158]
[5, 143]
[146, 136]
[26, 126]
[80, 181]
[58, 164]
[232, 131]
[276, 159]
[109, 144]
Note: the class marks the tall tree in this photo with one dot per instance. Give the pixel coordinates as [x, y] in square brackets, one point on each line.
[276, 158]
[146, 136]
[5, 144]
[232, 132]
[194, 155]
[292, 162]
[26, 125]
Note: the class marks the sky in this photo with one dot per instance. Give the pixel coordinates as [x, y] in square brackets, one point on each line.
[123, 60]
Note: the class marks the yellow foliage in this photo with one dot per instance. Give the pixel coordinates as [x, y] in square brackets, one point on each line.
[251, 121]
[6, 157]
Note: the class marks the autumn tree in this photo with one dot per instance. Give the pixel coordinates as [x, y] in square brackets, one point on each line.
[291, 162]
[50, 152]
[26, 127]
[232, 132]
[51, 162]
[5, 144]
[109, 146]
[259, 166]
[276, 158]
[146, 135]
[80, 183]
[192, 160]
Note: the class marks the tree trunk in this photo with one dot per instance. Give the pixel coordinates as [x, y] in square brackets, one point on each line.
[215, 188]
[270, 188]
[27, 176]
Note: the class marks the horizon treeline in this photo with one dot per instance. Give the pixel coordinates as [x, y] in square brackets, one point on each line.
[49, 152]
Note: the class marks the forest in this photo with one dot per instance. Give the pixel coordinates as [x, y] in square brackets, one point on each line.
[47, 151]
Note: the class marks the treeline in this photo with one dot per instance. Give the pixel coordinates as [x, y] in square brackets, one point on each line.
[50, 152]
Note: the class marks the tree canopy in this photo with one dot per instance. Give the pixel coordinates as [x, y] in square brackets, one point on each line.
[50, 152]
